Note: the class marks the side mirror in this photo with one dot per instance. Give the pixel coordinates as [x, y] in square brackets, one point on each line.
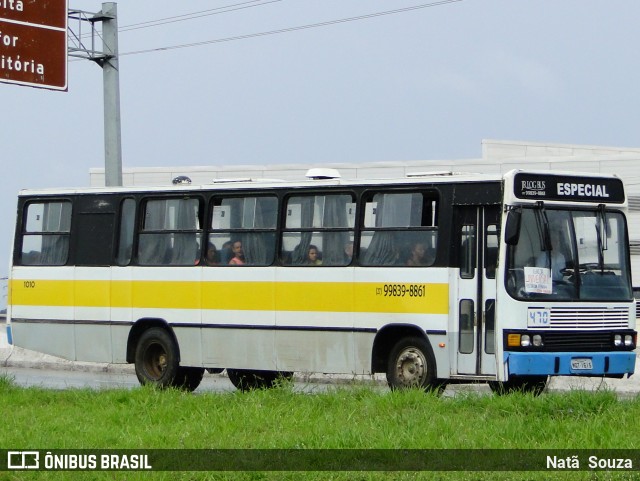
[512, 229]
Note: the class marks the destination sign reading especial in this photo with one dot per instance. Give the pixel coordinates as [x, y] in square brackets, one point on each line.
[563, 188]
[33, 43]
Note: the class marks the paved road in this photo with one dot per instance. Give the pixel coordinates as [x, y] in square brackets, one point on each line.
[33, 369]
[57, 379]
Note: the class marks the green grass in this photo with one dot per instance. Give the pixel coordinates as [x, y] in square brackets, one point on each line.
[345, 418]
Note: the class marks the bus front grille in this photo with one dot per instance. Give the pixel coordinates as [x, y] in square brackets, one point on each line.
[589, 318]
[578, 341]
[570, 341]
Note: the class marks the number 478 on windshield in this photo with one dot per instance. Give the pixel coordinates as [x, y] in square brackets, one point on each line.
[538, 317]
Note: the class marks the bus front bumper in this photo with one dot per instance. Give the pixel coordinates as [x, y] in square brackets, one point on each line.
[613, 364]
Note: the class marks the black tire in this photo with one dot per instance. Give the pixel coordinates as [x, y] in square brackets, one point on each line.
[188, 378]
[525, 384]
[285, 376]
[248, 379]
[411, 364]
[156, 358]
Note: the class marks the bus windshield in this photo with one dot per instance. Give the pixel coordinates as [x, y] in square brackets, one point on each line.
[567, 255]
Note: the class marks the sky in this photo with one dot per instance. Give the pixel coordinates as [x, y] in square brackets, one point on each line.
[418, 84]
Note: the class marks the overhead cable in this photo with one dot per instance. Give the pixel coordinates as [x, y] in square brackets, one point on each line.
[194, 15]
[190, 16]
[292, 29]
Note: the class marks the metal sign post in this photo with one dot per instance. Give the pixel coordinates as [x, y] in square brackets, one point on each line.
[83, 46]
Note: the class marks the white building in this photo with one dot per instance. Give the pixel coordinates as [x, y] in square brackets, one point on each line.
[498, 156]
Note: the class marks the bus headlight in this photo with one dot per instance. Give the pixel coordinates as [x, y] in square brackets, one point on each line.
[617, 340]
[628, 340]
[521, 340]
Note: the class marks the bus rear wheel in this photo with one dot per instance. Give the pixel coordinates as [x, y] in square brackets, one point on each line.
[156, 358]
[411, 365]
[525, 384]
[247, 379]
[188, 378]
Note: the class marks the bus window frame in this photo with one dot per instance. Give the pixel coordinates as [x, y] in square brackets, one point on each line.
[140, 230]
[429, 193]
[23, 232]
[134, 231]
[216, 199]
[350, 231]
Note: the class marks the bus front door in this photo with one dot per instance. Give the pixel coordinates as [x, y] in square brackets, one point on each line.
[477, 239]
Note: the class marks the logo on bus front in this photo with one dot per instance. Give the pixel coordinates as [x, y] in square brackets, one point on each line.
[532, 188]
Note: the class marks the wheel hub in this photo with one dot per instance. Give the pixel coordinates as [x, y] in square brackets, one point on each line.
[156, 361]
[411, 367]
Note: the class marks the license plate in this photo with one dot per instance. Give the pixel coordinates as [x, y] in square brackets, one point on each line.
[581, 364]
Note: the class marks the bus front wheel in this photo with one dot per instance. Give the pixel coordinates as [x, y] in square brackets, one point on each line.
[156, 358]
[411, 364]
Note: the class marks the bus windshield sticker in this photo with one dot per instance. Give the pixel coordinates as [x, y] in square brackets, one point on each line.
[537, 280]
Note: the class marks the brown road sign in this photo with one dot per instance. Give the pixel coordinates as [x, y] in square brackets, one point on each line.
[51, 13]
[33, 43]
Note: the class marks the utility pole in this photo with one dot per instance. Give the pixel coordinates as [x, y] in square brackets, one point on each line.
[81, 47]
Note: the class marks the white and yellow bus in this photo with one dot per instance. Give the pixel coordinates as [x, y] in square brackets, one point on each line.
[431, 279]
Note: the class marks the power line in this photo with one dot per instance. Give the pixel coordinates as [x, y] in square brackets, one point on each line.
[194, 15]
[190, 16]
[293, 29]
[181, 18]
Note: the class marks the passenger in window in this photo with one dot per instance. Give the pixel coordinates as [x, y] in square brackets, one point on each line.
[313, 256]
[348, 252]
[285, 258]
[419, 255]
[238, 254]
[226, 253]
[212, 257]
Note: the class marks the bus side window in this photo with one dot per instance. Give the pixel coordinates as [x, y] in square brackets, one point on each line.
[468, 252]
[399, 229]
[491, 252]
[127, 222]
[321, 223]
[170, 232]
[45, 238]
[246, 223]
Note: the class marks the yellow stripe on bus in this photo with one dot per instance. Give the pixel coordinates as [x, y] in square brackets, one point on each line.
[241, 296]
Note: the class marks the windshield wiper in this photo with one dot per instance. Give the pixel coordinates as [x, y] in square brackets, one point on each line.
[543, 226]
[602, 233]
[542, 223]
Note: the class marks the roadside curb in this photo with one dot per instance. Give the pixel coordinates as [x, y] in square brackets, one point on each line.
[17, 357]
